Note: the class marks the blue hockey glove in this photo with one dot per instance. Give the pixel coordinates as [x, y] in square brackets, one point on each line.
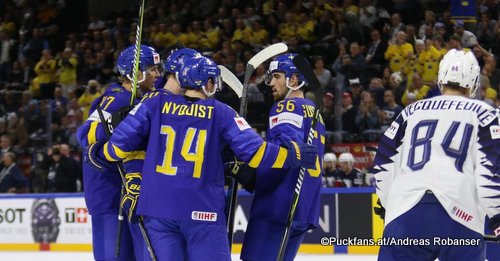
[300, 154]
[132, 190]
[494, 224]
[242, 173]
[379, 210]
[91, 156]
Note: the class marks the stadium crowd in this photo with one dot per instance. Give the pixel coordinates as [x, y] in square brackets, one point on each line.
[372, 57]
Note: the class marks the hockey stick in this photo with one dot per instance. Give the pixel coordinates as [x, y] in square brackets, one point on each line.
[137, 52]
[230, 79]
[491, 238]
[121, 170]
[305, 69]
[256, 60]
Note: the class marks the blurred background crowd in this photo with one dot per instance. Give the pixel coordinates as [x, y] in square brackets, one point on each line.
[372, 58]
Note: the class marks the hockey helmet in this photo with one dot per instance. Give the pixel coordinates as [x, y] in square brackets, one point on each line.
[175, 60]
[284, 63]
[459, 68]
[346, 157]
[148, 57]
[330, 157]
[196, 72]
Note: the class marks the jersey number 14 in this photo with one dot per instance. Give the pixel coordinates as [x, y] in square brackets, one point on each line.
[193, 135]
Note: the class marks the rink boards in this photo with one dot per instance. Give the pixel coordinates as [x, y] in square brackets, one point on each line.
[60, 222]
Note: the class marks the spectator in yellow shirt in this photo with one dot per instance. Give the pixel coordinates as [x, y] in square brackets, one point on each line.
[46, 68]
[305, 29]
[398, 53]
[417, 90]
[67, 72]
[288, 29]
[242, 32]
[212, 33]
[92, 92]
[258, 35]
[430, 58]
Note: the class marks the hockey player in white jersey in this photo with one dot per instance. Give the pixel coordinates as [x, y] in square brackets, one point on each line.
[437, 173]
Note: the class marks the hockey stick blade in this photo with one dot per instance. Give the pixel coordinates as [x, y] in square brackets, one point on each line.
[267, 53]
[230, 79]
[312, 81]
[261, 57]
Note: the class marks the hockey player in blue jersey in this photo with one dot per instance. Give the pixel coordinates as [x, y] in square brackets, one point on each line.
[182, 194]
[289, 120]
[436, 170]
[102, 188]
[169, 84]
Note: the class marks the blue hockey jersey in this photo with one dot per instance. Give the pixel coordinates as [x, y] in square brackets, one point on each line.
[290, 119]
[102, 189]
[183, 175]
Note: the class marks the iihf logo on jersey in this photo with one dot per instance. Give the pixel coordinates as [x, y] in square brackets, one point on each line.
[462, 214]
[204, 216]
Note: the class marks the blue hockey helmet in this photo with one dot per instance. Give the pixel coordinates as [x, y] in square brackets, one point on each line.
[196, 72]
[175, 60]
[148, 57]
[284, 63]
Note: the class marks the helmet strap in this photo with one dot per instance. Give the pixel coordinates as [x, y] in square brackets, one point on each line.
[138, 81]
[207, 93]
[290, 88]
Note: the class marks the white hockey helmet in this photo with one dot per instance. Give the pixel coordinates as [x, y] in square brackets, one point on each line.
[459, 68]
[330, 157]
[346, 157]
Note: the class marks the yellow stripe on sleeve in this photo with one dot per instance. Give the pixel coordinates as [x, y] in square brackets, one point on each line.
[120, 153]
[91, 136]
[135, 155]
[281, 158]
[257, 158]
[322, 138]
[105, 151]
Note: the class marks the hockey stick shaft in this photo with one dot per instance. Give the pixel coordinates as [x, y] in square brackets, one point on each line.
[137, 53]
[491, 238]
[253, 63]
[121, 170]
[306, 70]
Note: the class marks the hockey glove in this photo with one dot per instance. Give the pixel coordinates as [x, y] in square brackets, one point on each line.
[300, 154]
[242, 173]
[494, 224]
[91, 156]
[129, 200]
[379, 210]
[119, 115]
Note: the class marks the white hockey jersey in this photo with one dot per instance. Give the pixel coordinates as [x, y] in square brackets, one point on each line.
[449, 145]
